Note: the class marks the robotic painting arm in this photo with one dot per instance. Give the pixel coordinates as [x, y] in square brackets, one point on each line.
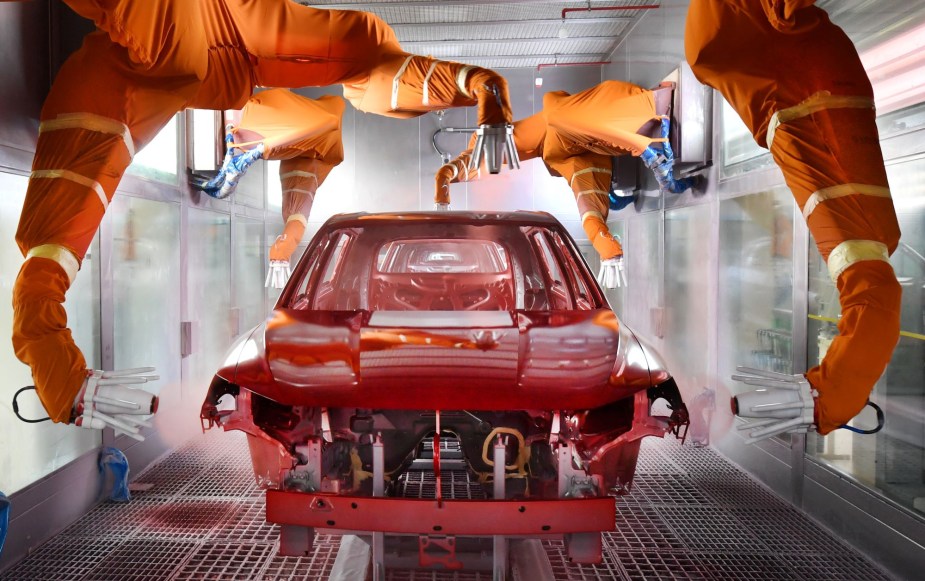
[305, 135]
[406, 85]
[818, 121]
[452, 172]
[156, 58]
[528, 135]
[300, 178]
[278, 124]
[613, 118]
[589, 176]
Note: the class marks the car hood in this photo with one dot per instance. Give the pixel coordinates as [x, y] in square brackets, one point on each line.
[440, 359]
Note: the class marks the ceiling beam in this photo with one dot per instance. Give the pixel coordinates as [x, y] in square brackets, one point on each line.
[552, 21]
[526, 41]
[423, 4]
[595, 56]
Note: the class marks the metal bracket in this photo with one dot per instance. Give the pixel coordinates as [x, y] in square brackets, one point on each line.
[438, 551]
[494, 143]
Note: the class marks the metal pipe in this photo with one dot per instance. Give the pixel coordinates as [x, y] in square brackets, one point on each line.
[444, 156]
[581, 64]
[499, 542]
[609, 8]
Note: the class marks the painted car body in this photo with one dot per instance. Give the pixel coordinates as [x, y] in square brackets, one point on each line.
[489, 326]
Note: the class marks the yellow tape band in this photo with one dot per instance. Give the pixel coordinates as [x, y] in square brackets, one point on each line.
[298, 174]
[853, 251]
[91, 122]
[310, 193]
[590, 193]
[396, 82]
[66, 174]
[841, 191]
[430, 71]
[817, 102]
[591, 214]
[461, 77]
[64, 257]
[588, 170]
[298, 218]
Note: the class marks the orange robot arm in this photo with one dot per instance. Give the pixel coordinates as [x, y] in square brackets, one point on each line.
[452, 172]
[818, 120]
[155, 58]
[589, 176]
[406, 85]
[604, 119]
[306, 136]
[87, 138]
[529, 134]
[300, 178]
[359, 50]
[289, 125]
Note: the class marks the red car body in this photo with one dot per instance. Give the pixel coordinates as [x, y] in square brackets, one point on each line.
[397, 330]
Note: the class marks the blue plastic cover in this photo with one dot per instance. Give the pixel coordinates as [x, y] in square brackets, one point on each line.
[113, 460]
[4, 518]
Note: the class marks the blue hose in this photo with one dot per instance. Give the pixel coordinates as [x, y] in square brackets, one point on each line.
[661, 162]
[233, 168]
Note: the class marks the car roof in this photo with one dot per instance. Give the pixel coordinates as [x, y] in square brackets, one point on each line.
[519, 218]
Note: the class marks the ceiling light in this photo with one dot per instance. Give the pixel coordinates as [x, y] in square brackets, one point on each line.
[896, 69]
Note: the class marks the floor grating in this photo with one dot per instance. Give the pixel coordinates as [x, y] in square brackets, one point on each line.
[691, 515]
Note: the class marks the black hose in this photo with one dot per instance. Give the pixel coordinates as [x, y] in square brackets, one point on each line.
[16, 406]
[881, 420]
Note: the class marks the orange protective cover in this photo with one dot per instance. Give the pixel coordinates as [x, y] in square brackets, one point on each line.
[774, 54]
[147, 61]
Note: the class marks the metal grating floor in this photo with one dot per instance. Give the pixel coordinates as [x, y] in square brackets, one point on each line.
[691, 515]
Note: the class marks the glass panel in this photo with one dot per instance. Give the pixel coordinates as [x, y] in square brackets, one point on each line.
[146, 292]
[507, 266]
[30, 451]
[555, 279]
[585, 300]
[756, 283]
[208, 294]
[893, 460]
[643, 258]
[446, 256]
[158, 160]
[205, 137]
[904, 121]
[687, 318]
[615, 296]
[250, 268]
[740, 152]
[250, 190]
[274, 186]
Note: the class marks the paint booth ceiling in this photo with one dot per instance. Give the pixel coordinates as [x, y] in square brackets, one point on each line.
[507, 34]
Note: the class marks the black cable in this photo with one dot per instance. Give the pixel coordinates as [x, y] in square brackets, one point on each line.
[881, 420]
[16, 406]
